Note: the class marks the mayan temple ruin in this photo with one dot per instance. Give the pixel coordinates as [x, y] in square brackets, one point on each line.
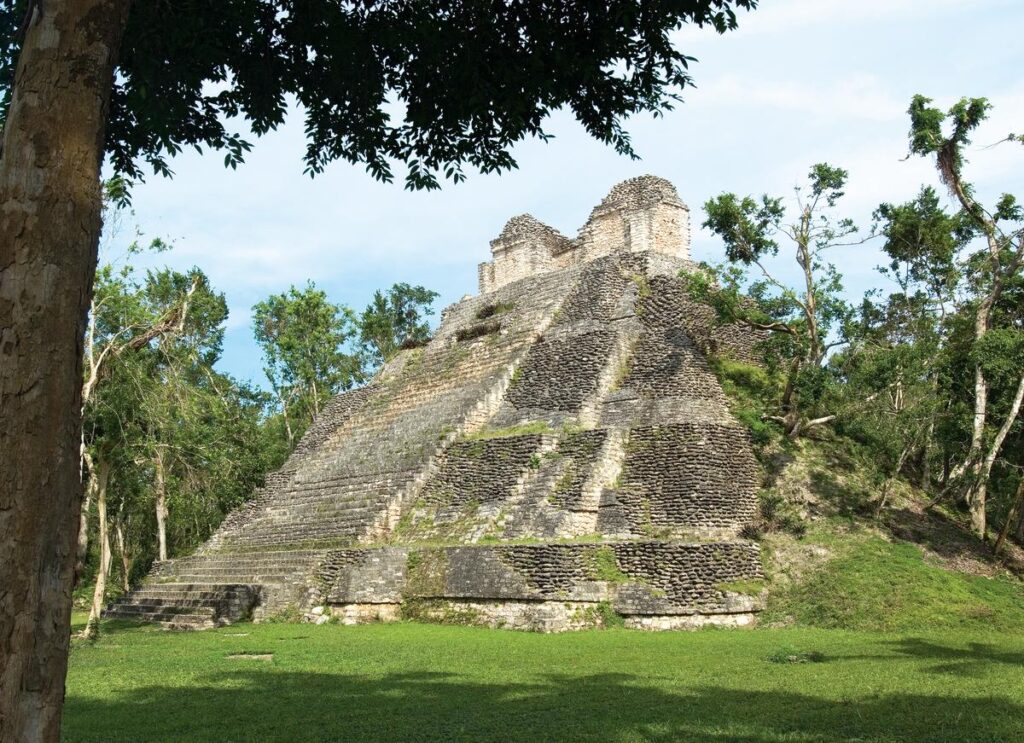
[558, 454]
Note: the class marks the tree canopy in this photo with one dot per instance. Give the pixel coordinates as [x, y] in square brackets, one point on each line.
[930, 371]
[393, 320]
[434, 85]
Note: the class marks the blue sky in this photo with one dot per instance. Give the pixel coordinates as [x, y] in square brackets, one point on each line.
[802, 81]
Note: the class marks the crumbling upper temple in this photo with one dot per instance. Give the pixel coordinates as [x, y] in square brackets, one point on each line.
[639, 215]
[559, 453]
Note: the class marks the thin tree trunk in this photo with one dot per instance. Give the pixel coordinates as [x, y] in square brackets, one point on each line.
[287, 425]
[1011, 516]
[92, 626]
[790, 412]
[49, 233]
[887, 485]
[83, 521]
[977, 494]
[161, 506]
[126, 560]
[926, 468]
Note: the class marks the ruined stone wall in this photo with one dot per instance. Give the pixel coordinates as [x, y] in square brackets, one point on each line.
[524, 248]
[711, 485]
[654, 580]
[640, 215]
[578, 453]
[700, 324]
[481, 471]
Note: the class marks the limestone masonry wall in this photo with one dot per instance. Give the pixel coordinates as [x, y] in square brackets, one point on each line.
[559, 452]
[642, 214]
[652, 579]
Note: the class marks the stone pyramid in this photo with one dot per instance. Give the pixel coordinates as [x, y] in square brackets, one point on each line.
[558, 454]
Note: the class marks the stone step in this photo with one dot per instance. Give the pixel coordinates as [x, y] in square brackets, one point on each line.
[323, 503]
[149, 596]
[209, 612]
[318, 523]
[297, 532]
[227, 578]
[195, 590]
[218, 587]
[172, 615]
[277, 557]
[195, 605]
[230, 570]
[239, 565]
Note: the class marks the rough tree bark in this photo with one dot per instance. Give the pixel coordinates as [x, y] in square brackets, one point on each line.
[49, 231]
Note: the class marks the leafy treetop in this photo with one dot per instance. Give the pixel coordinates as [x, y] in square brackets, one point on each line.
[433, 85]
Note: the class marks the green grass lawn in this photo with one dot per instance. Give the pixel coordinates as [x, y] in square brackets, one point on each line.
[876, 585]
[421, 682]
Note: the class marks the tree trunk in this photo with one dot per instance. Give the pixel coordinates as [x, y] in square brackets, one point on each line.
[161, 506]
[82, 553]
[790, 411]
[1015, 509]
[126, 559]
[887, 485]
[287, 425]
[49, 232]
[977, 493]
[926, 467]
[92, 626]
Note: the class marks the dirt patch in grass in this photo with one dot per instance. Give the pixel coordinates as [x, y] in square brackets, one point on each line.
[251, 656]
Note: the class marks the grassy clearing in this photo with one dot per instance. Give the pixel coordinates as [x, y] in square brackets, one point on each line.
[422, 682]
[871, 583]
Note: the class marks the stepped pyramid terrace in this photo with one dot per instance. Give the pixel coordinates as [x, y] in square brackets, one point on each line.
[557, 454]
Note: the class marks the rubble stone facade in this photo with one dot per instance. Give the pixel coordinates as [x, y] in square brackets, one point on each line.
[559, 454]
[639, 215]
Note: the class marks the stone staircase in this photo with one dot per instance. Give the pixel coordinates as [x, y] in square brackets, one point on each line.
[204, 591]
[186, 605]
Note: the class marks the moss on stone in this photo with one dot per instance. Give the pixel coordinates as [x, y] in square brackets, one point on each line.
[522, 429]
[746, 587]
[604, 566]
[425, 570]
[438, 612]
[490, 310]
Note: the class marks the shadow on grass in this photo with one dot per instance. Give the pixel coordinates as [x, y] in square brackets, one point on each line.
[974, 659]
[848, 500]
[261, 704]
[944, 537]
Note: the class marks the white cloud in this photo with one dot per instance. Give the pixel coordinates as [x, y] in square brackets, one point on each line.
[789, 16]
[857, 97]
